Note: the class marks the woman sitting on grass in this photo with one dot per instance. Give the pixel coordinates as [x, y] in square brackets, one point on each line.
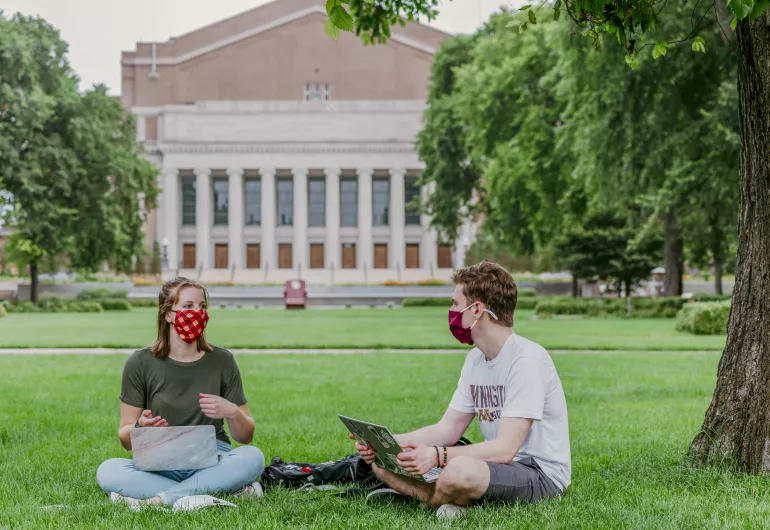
[181, 380]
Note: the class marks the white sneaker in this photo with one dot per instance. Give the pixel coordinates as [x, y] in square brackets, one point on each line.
[197, 502]
[445, 511]
[252, 490]
[133, 504]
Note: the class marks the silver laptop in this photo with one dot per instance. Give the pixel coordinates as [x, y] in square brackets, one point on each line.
[174, 448]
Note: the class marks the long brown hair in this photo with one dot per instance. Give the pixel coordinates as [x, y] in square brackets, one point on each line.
[168, 297]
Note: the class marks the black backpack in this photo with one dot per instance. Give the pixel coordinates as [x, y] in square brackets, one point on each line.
[350, 469]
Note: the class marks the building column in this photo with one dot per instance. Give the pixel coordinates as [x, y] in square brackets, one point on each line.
[203, 217]
[429, 237]
[168, 217]
[333, 250]
[267, 248]
[397, 252]
[235, 218]
[365, 250]
[300, 246]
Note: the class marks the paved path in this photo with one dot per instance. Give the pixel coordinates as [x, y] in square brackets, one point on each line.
[305, 351]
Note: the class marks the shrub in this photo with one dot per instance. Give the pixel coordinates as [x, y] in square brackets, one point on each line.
[642, 307]
[100, 293]
[85, 307]
[3, 312]
[708, 297]
[143, 302]
[704, 318]
[427, 302]
[527, 292]
[53, 304]
[23, 307]
[114, 304]
[526, 303]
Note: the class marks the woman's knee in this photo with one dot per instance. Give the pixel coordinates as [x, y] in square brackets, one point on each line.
[111, 471]
[251, 459]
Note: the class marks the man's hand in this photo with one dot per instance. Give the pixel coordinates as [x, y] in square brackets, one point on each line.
[146, 420]
[217, 407]
[417, 459]
[366, 453]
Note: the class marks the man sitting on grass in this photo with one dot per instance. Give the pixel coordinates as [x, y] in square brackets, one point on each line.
[510, 384]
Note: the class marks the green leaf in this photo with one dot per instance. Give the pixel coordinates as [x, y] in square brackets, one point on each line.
[329, 5]
[524, 8]
[532, 17]
[341, 18]
[734, 23]
[699, 45]
[369, 1]
[523, 28]
[741, 8]
[556, 14]
[331, 30]
[632, 61]
[759, 7]
[660, 49]
[513, 24]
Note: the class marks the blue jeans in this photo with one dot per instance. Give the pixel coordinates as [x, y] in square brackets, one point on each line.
[237, 469]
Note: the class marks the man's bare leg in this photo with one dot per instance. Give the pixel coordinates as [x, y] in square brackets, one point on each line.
[463, 479]
[405, 485]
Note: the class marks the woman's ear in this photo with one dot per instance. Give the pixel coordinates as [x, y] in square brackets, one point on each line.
[170, 317]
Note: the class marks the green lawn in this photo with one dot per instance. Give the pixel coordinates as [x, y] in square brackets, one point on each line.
[341, 328]
[632, 417]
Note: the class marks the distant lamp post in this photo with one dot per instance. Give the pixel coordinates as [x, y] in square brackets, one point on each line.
[164, 245]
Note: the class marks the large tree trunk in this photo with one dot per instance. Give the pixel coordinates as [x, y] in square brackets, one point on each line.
[737, 423]
[673, 256]
[33, 273]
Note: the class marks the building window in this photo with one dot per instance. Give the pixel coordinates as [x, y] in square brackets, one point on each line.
[188, 200]
[253, 200]
[380, 201]
[221, 198]
[285, 191]
[444, 257]
[348, 201]
[316, 201]
[317, 92]
[412, 256]
[411, 193]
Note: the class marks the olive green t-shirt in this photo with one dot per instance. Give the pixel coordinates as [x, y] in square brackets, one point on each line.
[171, 389]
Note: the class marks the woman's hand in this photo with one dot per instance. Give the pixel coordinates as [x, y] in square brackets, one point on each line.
[217, 407]
[146, 420]
[366, 453]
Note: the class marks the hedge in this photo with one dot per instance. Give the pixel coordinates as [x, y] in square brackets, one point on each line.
[427, 302]
[527, 292]
[640, 307]
[100, 293]
[526, 303]
[704, 318]
[708, 297]
[143, 302]
[52, 304]
[114, 304]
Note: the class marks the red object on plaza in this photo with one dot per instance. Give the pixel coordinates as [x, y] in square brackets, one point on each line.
[295, 294]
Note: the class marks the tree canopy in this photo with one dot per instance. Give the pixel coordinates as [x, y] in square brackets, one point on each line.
[76, 182]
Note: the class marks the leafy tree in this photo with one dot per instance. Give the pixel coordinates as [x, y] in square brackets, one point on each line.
[737, 424]
[155, 264]
[68, 162]
[607, 247]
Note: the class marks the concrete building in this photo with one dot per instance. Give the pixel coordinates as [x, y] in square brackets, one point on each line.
[286, 154]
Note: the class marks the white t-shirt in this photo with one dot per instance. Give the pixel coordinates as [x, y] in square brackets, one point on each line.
[521, 382]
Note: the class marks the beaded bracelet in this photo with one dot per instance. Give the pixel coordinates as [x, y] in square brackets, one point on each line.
[445, 457]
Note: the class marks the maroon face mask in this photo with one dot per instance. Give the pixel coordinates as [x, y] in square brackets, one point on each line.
[460, 332]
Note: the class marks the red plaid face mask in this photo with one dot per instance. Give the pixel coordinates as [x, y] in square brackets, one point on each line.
[190, 324]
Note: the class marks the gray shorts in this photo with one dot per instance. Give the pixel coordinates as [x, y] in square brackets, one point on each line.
[522, 480]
